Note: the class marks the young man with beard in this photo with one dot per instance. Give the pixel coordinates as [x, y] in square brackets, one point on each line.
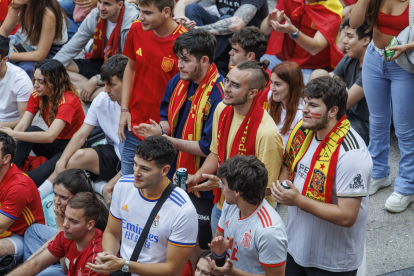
[20, 204]
[78, 243]
[151, 65]
[331, 168]
[349, 70]
[108, 25]
[173, 234]
[250, 233]
[240, 126]
[187, 110]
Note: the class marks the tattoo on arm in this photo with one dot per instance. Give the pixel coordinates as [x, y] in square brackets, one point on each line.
[223, 27]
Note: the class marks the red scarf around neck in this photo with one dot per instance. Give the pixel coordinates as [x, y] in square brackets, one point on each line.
[245, 140]
[112, 48]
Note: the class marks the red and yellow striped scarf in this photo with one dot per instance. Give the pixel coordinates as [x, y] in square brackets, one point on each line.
[321, 176]
[193, 127]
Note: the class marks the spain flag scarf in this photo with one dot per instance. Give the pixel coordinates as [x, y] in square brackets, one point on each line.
[322, 14]
[112, 48]
[321, 176]
[245, 140]
[193, 127]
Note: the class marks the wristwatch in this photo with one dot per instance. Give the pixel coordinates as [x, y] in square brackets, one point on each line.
[294, 35]
[125, 268]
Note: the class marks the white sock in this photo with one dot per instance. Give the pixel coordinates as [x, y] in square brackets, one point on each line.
[45, 189]
[98, 186]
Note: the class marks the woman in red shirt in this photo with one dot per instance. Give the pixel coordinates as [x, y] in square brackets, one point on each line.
[385, 83]
[58, 103]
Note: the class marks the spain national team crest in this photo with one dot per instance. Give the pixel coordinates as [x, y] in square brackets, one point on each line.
[156, 221]
[167, 64]
[317, 185]
[247, 240]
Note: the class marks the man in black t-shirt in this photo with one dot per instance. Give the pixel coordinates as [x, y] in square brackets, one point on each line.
[234, 15]
[349, 69]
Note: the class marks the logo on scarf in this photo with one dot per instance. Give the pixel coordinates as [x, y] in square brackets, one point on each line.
[317, 187]
[167, 64]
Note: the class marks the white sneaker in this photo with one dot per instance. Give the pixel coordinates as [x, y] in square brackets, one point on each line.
[397, 203]
[380, 183]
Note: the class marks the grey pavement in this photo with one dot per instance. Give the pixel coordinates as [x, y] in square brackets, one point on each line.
[389, 237]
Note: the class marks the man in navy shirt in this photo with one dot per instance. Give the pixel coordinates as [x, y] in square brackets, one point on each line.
[186, 112]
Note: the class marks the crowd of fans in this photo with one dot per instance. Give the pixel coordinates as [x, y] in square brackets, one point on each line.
[291, 106]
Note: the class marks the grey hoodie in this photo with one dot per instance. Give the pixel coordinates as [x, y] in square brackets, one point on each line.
[87, 30]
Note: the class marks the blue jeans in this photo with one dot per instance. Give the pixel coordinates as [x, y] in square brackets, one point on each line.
[68, 6]
[34, 237]
[275, 61]
[127, 150]
[386, 82]
[215, 218]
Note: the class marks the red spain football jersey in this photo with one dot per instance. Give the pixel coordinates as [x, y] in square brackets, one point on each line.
[20, 201]
[76, 260]
[156, 65]
[70, 110]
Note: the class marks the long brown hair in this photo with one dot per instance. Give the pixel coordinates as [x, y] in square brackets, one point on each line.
[31, 18]
[290, 73]
[372, 13]
[57, 81]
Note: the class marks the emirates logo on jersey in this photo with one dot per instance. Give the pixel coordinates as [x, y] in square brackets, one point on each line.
[247, 240]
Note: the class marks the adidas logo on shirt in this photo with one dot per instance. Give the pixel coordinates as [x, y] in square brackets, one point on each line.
[125, 208]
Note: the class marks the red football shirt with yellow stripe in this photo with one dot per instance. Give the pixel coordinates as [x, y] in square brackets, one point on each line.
[70, 110]
[156, 65]
[20, 201]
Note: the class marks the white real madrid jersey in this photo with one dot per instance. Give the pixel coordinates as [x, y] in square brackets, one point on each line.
[176, 223]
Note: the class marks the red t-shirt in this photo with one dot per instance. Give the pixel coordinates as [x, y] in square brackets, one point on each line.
[69, 110]
[76, 260]
[20, 201]
[156, 65]
[291, 51]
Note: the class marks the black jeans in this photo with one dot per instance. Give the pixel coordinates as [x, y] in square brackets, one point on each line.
[51, 151]
[293, 269]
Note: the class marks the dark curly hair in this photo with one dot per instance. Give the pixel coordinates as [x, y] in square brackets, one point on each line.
[331, 90]
[245, 174]
[196, 42]
[158, 149]
[8, 145]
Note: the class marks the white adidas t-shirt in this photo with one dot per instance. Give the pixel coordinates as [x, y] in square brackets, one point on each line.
[176, 222]
[314, 242]
[298, 117]
[259, 239]
[105, 113]
[15, 87]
